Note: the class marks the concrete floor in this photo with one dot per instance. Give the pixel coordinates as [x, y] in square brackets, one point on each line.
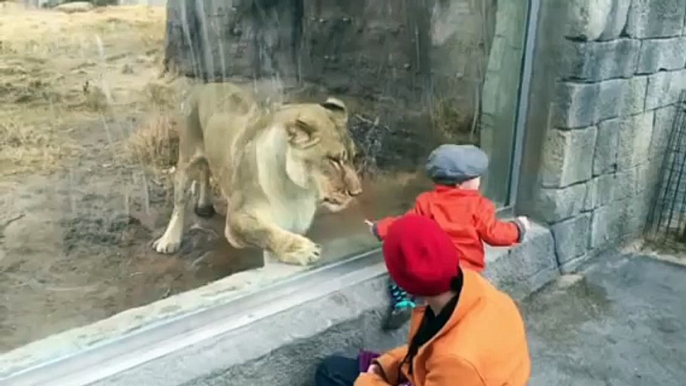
[621, 321]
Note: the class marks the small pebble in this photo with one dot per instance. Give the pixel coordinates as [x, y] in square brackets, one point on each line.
[127, 69]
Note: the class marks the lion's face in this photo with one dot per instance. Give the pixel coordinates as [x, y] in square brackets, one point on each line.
[321, 152]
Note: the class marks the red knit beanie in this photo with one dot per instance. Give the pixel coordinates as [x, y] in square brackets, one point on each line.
[420, 256]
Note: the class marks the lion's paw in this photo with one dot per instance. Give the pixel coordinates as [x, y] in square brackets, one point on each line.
[305, 252]
[166, 245]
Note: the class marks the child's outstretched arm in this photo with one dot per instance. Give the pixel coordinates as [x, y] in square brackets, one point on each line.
[499, 233]
[380, 227]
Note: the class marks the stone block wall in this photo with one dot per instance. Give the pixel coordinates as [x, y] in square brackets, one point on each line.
[607, 75]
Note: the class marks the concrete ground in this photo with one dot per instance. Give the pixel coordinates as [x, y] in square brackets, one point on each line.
[621, 321]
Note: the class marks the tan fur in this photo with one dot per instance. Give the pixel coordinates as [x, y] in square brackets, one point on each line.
[275, 168]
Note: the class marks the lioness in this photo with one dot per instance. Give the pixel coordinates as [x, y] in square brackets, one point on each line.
[274, 168]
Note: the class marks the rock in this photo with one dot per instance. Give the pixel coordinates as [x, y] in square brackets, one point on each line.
[75, 7]
[596, 19]
[568, 156]
[526, 267]
[572, 109]
[634, 95]
[662, 128]
[594, 61]
[664, 88]
[605, 154]
[635, 133]
[656, 18]
[613, 98]
[600, 191]
[127, 69]
[608, 223]
[571, 237]
[560, 204]
[662, 54]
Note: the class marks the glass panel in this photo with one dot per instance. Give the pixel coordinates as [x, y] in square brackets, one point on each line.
[100, 103]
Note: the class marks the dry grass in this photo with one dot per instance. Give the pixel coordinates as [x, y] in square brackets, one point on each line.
[63, 71]
[155, 143]
[26, 147]
[450, 124]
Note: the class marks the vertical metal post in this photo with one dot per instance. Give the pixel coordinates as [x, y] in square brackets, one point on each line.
[523, 100]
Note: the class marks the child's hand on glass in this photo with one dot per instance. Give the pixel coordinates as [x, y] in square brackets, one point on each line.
[370, 225]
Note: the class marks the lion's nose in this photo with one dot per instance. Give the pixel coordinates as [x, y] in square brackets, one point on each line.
[355, 192]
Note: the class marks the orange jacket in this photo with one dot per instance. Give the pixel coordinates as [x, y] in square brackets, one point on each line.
[482, 344]
[469, 219]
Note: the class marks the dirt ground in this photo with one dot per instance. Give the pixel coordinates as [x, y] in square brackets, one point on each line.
[80, 202]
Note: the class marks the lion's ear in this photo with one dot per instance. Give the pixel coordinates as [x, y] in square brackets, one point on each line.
[337, 109]
[302, 134]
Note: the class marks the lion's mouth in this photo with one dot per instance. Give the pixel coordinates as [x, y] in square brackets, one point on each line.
[334, 204]
[331, 201]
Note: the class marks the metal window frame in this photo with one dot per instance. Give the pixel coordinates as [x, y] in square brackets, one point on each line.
[159, 339]
[526, 73]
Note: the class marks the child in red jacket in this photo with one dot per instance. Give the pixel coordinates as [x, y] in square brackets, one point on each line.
[460, 210]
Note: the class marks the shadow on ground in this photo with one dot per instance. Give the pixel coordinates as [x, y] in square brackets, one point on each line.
[621, 321]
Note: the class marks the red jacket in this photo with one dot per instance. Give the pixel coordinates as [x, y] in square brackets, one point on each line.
[469, 219]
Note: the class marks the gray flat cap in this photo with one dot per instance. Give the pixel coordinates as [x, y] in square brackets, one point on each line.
[454, 164]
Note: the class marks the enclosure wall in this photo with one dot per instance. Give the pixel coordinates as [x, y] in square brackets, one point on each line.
[606, 77]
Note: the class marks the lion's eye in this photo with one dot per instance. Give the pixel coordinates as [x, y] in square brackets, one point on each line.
[335, 161]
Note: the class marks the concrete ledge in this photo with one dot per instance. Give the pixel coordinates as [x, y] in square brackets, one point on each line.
[524, 269]
[281, 346]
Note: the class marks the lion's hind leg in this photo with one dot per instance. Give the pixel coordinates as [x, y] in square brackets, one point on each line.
[204, 207]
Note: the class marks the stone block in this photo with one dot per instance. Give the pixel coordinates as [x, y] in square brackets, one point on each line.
[573, 265]
[555, 205]
[664, 88]
[594, 61]
[596, 19]
[655, 18]
[568, 156]
[571, 237]
[647, 176]
[607, 224]
[526, 267]
[637, 213]
[573, 107]
[634, 95]
[573, 110]
[600, 191]
[662, 127]
[662, 54]
[625, 184]
[605, 154]
[635, 133]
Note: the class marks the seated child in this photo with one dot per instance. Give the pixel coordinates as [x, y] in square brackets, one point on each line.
[460, 210]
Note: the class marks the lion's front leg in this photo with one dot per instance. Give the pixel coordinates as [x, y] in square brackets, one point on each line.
[244, 229]
[170, 241]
